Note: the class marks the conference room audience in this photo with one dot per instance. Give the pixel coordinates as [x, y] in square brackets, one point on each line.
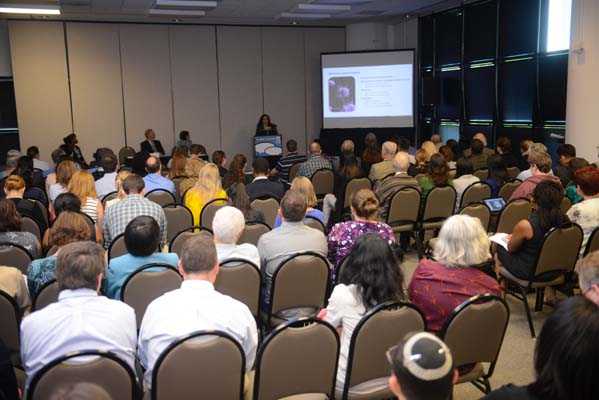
[195, 306]
[13, 284]
[403, 145]
[285, 163]
[206, 188]
[566, 153]
[437, 141]
[348, 152]
[463, 178]
[151, 145]
[541, 172]
[290, 238]
[387, 188]
[57, 156]
[447, 153]
[177, 164]
[118, 215]
[192, 172]
[372, 152]
[437, 175]
[526, 239]
[64, 171]
[34, 180]
[381, 169]
[184, 140]
[82, 186]
[333, 204]
[220, 160]
[586, 212]
[422, 367]
[365, 219]
[429, 148]
[227, 226]
[14, 189]
[498, 175]
[107, 183]
[572, 188]
[371, 276]
[73, 151]
[262, 186]
[566, 356]
[118, 184]
[81, 319]
[420, 165]
[198, 152]
[529, 152]
[454, 274]
[482, 138]
[154, 179]
[142, 240]
[236, 172]
[314, 162]
[478, 157]
[588, 276]
[303, 186]
[11, 229]
[239, 199]
[505, 151]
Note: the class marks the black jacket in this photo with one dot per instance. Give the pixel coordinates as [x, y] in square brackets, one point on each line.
[147, 147]
[265, 188]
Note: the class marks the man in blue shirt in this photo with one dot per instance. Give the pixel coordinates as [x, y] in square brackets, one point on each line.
[142, 239]
[154, 179]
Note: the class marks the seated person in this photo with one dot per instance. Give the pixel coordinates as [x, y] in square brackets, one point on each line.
[540, 167]
[437, 175]
[463, 179]
[219, 158]
[154, 179]
[239, 199]
[454, 275]
[566, 153]
[151, 145]
[497, 174]
[11, 231]
[13, 284]
[142, 239]
[304, 186]
[566, 356]
[261, 186]
[107, 183]
[315, 161]
[588, 276]
[14, 189]
[193, 307]
[422, 368]
[387, 188]
[227, 226]
[572, 188]
[380, 170]
[207, 188]
[586, 213]
[81, 319]
[478, 156]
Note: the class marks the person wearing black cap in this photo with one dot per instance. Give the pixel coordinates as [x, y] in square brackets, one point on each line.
[422, 368]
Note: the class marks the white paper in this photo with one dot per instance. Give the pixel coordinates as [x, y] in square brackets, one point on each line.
[501, 239]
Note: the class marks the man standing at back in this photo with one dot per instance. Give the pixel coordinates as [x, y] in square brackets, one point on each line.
[380, 170]
[195, 306]
[154, 179]
[315, 162]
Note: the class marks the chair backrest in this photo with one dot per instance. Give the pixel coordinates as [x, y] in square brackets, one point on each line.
[353, 186]
[208, 211]
[513, 172]
[241, 279]
[117, 247]
[293, 171]
[29, 225]
[252, 232]
[13, 255]
[314, 223]
[514, 212]
[125, 153]
[560, 250]
[103, 369]
[566, 205]
[143, 286]
[508, 188]
[475, 330]
[475, 193]
[43, 209]
[323, 181]
[306, 349]
[481, 174]
[47, 294]
[480, 211]
[202, 365]
[440, 204]
[381, 328]
[178, 218]
[300, 281]
[176, 244]
[108, 197]
[404, 207]
[269, 208]
[161, 197]
[91, 223]
[10, 318]
[593, 242]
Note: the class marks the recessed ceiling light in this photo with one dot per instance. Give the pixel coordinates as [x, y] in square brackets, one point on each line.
[186, 3]
[303, 15]
[190, 13]
[29, 9]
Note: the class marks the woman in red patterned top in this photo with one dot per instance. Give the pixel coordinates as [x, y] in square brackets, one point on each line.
[443, 283]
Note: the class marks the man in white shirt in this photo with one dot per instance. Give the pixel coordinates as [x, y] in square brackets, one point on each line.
[81, 319]
[107, 183]
[228, 225]
[464, 178]
[193, 307]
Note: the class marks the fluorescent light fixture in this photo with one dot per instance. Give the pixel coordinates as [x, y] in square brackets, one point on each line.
[323, 8]
[187, 4]
[291, 15]
[183, 13]
[29, 9]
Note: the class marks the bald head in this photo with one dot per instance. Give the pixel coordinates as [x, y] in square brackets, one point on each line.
[347, 146]
[401, 162]
[388, 151]
[481, 136]
[315, 148]
[153, 165]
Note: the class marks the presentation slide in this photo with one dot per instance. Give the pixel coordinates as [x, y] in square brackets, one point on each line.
[368, 90]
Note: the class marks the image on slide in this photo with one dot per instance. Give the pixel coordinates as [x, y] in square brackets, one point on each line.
[342, 94]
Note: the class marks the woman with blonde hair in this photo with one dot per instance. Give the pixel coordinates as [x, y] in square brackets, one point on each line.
[64, 171]
[192, 171]
[303, 186]
[208, 187]
[120, 178]
[430, 149]
[83, 186]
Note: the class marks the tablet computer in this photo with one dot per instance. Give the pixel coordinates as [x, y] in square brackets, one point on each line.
[495, 205]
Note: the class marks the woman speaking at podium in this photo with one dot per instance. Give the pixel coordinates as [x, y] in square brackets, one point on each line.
[265, 126]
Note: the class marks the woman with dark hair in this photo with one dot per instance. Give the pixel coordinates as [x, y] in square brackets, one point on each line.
[437, 175]
[72, 150]
[10, 229]
[455, 148]
[220, 159]
[371, 276]
[504, 149]
[349, 168]
[463, 178]
[566, 356]
[571, 189]
[526, 239]
[236, 173]
[447, 153]
[177, 164]
[184, 140]
[372, 152]
[265, 126]
[34, 180]
[497, 174]
[239, 199]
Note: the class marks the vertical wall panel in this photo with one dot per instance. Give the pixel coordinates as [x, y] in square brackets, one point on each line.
[195, 83]
[147, 91]
[41, 84]
[284, 81]
[95, 62]
[318, 41]
[240, 82]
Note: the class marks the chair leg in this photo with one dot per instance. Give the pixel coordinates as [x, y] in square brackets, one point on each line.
[419, 237]
[540, 298]
[527, 309]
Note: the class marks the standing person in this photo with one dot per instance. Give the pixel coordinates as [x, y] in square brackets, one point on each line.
[372, 152]
[151, 145]
[288, 160]
[315, 162]
[261, 186]
[219, 158]
[207, 188]
[265, 126]
[184, 140]
[154, 179]
[73, 151]
[381, 169]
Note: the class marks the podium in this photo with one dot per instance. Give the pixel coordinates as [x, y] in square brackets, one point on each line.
[269, 147]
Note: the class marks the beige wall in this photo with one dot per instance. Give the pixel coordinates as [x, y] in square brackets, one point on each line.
[124, 78]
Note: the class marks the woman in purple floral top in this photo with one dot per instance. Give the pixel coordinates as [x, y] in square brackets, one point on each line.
[343, 236]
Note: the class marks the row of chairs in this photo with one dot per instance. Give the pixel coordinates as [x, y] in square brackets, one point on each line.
[298, 358]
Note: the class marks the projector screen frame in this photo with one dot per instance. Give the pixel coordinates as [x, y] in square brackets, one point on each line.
[415, 108]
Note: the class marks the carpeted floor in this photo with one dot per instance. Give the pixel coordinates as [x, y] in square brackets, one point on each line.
[515, 364]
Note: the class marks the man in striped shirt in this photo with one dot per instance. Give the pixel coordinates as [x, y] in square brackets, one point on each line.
[286, 162]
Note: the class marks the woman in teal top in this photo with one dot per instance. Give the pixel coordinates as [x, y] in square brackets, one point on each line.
[571, 192]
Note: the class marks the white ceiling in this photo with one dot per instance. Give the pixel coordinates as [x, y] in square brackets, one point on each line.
[250, 12]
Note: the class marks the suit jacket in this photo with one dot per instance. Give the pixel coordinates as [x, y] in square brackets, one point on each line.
[380, 170]
[147, 147]
[388, 187]
[265, 187]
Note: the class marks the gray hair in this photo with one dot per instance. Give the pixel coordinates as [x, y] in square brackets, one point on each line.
[588, 271]
[228, 225]
[401, 162]
[389, 149]
[12, 157]
[462, 242]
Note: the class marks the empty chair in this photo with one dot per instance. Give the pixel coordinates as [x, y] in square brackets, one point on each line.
[514, 212]
[593, 242]
[102, 369]
[481, 174]
[10, 320]
[117, 248]
[178, 218]
[475, 193]
[208, 211]
[176, 244]
[29, 225]
[108, 197]
[269, 208]
[241, 279]
[438, 206]
[381, 328]
[480, 211]
[323, 181]
[143, 286]
[314, 223]
[307, 350]
[202, 365]
[252, 232]
[47, 294]
[474, 333]
[161, 196]
[13, 255]
[508, 188]
[353, 186]
[404, 209]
